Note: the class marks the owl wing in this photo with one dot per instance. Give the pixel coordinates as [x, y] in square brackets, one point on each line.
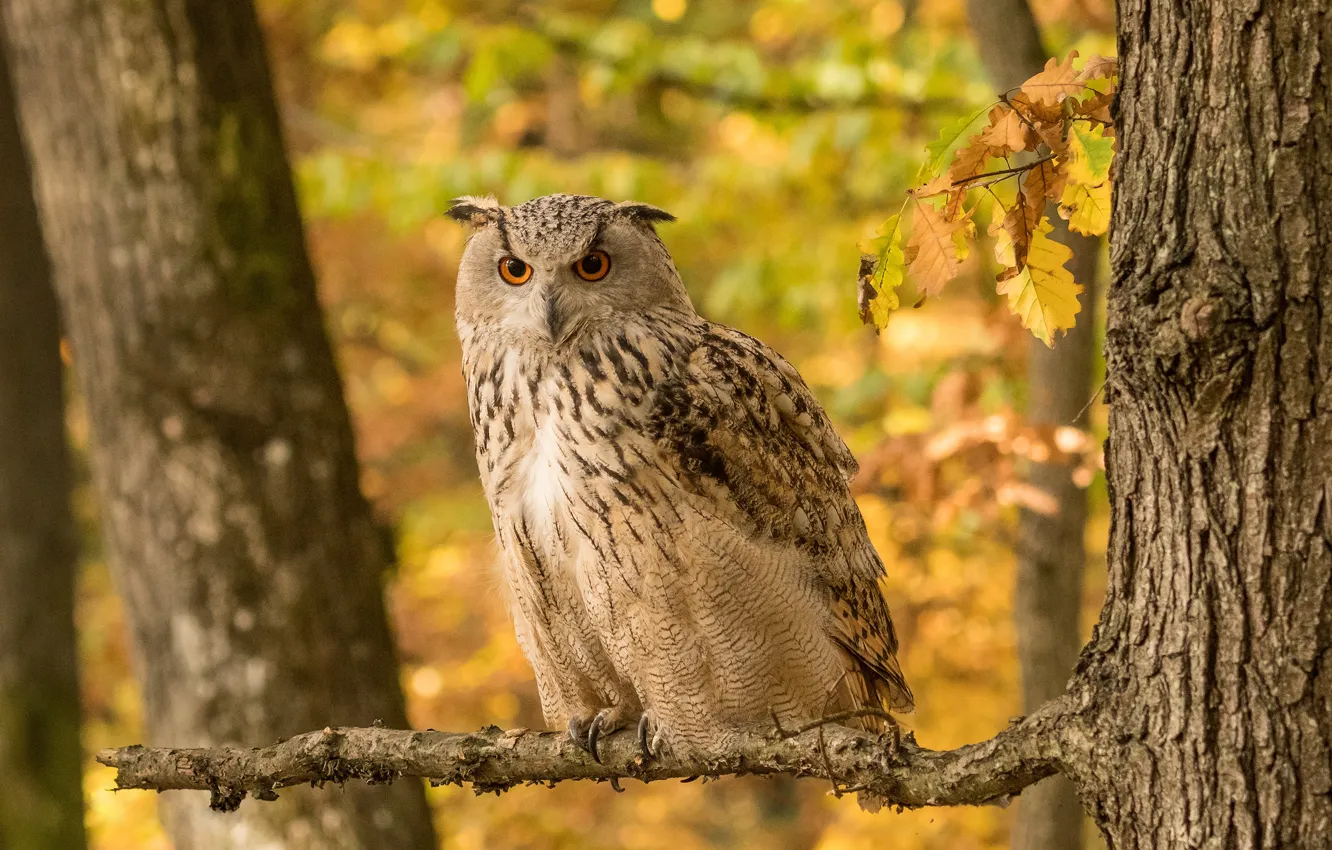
[740, 418]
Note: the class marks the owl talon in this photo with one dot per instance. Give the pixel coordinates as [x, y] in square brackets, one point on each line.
[594, 735]
[577, 735]
[644, 743]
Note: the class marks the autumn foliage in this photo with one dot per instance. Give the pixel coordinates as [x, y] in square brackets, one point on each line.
[1055, 138]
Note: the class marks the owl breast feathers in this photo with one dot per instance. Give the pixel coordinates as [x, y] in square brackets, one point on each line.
[681, 549]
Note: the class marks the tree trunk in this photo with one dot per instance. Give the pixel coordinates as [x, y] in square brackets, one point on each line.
[248, 560]
[1050, 556]
[1208, 684]
[41, 765]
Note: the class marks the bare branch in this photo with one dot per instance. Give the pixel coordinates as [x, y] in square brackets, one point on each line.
[893, 773]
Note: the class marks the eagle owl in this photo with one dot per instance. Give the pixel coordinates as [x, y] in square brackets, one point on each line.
[680, 548]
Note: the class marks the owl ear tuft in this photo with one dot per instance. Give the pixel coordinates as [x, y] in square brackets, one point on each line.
[475, 210]
[646, 213]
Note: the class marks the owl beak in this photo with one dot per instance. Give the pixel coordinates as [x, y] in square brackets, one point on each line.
[555, 319]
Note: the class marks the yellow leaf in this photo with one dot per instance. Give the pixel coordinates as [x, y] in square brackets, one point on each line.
[1056, 82]
[1089, 154]
[1043, 295]
[937, 186]
[878, 288]
[932, 240]
[1008, 132]
[1087, 208]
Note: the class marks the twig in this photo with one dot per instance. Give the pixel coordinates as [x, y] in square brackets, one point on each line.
[827, 764]
[849, 714]
[1090, 402]
[1015, 169]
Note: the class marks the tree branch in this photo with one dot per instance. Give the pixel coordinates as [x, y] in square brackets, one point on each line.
[895, 774]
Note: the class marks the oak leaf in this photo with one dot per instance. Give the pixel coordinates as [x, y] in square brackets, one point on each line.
[880, 287]
[1099, 73]
[1036, 113]
[1096, 107]
[970, 159]
[939, 185]
[933, 246]
[1012, 232]
[938, 150]
[1008, 132]
[1043, 295]
[1087, 208]
[1088, 155]
[1044, 182]
[1056, 82]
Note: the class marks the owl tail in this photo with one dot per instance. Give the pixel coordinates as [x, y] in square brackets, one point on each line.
[864, 688]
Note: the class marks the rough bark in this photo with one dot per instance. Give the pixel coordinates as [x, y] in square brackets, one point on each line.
[1050, 553]
[223, 456]
[896, 773]
[1209, 679]
[40, 759]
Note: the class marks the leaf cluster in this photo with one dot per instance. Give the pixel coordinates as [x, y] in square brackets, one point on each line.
[1055, 138]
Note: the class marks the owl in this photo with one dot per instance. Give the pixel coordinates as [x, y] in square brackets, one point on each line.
[680, 549]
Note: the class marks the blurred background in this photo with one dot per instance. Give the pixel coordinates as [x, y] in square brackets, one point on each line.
[781, 133]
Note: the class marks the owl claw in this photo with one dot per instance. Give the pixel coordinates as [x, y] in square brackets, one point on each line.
[576, 733]
[644, 743]
[594, 735]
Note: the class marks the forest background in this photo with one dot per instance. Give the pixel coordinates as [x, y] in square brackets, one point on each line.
[780, 134]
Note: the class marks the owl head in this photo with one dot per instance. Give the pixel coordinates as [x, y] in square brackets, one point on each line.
[554, 267]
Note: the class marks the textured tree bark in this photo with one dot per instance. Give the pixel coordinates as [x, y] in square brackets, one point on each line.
[248, 560]
[40, 760]
[1050, 553]
[1208, 684]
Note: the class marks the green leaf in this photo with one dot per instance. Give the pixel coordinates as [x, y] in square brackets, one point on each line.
[940, 150]
[1089, 154]
[890, 272]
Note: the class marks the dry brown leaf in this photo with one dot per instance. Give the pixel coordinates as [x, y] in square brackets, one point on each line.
[1056, 82]
[1043, 183]
[1014, 230]
[934, 249]
[1099, 68]
[1008, 132]
[970, 159]
[1035, 113]
[1096, 107]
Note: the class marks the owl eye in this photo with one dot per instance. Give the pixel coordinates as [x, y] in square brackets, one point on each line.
[514, 271]
[594, 266]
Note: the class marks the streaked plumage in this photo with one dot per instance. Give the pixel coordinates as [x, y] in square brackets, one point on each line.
[671, 501]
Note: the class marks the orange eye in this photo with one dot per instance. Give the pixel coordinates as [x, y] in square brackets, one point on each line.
[514, 271]
[594, 266]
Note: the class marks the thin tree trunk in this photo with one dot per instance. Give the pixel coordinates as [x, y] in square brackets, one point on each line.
[1208, 685]
[41, 806]
[1050, 556]
[223, 455]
